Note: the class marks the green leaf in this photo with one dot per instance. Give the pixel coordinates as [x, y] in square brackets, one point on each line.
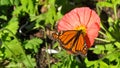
[104, 4]
[98, 49]
[15, 65]
[112, 56]
[103, 65]
[1, 54]
[31, 6]
[109, 35]
[24, 2]
[116, 2]
[31, 60]
[28, 6]
[109, 47]
[38, 19]
[55, 45]
[16, 2]
[5, 2]
[54, 66]
[33, 44]
[3, 17]
[59, 15]
[117, 44]
[51, 13]
[9, 2]
[110, 21]
[12, 48]
[91, 63]
[13, 25]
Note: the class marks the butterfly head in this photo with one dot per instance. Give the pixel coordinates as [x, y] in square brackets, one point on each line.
[81, 28]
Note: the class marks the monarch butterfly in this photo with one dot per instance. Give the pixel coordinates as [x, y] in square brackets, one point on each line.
[72, 41]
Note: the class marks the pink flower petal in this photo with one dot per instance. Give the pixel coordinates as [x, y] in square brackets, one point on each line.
[69, 21]
[92, 33]
[94, 18]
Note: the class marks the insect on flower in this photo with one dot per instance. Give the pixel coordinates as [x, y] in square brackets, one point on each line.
[77, 30]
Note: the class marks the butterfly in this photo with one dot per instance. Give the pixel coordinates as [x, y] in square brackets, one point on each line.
[72, 41]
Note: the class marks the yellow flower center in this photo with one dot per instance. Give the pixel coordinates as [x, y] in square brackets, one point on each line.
[81, 27]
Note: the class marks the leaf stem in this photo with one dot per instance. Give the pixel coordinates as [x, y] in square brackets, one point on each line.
[115, 11]
[102, 40]
[102, 33]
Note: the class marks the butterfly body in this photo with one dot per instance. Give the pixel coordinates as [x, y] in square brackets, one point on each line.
[72, 41]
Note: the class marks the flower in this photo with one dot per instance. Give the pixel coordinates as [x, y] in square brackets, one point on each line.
[83, 19]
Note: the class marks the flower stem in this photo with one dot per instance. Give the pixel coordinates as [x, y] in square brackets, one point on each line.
[48, 58]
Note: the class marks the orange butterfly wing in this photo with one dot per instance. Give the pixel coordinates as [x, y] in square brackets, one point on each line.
[72, 40]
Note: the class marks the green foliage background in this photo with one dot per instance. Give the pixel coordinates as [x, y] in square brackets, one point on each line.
[39, 13]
